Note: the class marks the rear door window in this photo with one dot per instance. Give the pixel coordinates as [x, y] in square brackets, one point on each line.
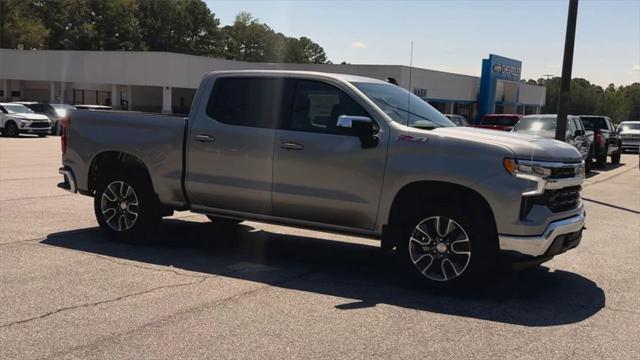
[250, 101]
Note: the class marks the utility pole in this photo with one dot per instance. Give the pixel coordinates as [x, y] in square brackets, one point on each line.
[567, 63]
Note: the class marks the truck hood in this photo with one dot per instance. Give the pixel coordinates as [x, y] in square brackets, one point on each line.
[28, 116]
[523, 146]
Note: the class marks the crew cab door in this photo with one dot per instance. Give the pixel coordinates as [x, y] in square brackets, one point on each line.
[322, 176]
[230, 144]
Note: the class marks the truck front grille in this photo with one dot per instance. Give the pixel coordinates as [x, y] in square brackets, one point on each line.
[556, 200]
[563, 172]
[563, 199]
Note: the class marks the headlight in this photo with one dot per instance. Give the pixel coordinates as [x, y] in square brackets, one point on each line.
[24, 123]
[523, 169]
[541, 173]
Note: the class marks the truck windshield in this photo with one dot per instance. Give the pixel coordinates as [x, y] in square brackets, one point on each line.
[594, 122]
[534, 124]
[404, 107]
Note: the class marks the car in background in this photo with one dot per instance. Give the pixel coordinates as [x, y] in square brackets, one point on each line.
[55, 112]
[504, 122]
[629, 132]
[545, 126]
[457, 119]
[91, 107]
[606, 139]
[16, 119]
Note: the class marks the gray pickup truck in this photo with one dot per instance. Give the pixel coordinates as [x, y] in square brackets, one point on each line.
[337, 153]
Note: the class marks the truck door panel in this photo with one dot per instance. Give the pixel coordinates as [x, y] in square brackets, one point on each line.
[230, 154]
[322, 176]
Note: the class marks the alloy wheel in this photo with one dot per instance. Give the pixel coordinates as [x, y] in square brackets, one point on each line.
[440, 248]
[119, 206]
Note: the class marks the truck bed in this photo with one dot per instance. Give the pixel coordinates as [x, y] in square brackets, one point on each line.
[155, 139]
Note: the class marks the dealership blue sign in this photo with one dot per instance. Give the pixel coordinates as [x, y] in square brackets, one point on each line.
[495, 68]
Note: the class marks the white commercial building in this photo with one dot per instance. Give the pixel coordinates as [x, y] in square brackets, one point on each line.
[159, 81]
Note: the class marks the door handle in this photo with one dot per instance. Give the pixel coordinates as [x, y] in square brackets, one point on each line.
[204, 138]
[288, 145]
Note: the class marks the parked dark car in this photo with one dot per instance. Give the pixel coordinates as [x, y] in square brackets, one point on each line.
[457, 119]
[545, 126]
[504, 122]
[606, 139]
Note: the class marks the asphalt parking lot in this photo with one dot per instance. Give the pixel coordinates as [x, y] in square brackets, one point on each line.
[273, 292]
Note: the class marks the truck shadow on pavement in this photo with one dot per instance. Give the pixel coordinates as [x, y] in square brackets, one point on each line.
[359, 272]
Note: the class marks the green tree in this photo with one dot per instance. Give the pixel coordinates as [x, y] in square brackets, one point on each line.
[620, 104]
[19, 26]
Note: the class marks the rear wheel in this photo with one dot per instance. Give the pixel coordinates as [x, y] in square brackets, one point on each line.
[126, 207]
[445, 247]
[588, 160]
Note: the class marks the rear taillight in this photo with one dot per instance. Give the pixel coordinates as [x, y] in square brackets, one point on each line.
[63, 137]
[599, 138]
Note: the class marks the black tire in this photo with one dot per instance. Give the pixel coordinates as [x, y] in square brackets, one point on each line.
[139, 229]
[225, 222]
[601, 159]
[588, 161]
[615, 157]
[482, 245]
[11, 129]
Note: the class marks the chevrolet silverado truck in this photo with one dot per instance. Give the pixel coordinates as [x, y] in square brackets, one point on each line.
[545, 126]
[336, 153]
[606, 142]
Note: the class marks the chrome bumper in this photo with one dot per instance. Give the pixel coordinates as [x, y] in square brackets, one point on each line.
[538, 245]
[69, 180]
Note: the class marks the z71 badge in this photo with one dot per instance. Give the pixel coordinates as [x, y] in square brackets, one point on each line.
[412, 138]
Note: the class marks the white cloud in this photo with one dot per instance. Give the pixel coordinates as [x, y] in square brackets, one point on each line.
[636, 67]
[358, 45]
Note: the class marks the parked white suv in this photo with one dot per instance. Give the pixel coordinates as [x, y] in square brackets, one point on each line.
[629, 134]
[16, 119]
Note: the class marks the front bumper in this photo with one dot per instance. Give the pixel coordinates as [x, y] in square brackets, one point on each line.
[39, 130]
[540, 245]
[633, 144]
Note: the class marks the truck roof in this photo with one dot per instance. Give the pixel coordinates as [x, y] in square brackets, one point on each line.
[294, 73]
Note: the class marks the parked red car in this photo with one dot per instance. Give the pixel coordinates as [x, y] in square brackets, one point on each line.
[504, 122]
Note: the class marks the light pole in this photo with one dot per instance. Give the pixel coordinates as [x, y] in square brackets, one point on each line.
[567, 63]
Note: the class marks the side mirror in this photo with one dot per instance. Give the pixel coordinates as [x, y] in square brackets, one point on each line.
[360, 126]
[579, 132]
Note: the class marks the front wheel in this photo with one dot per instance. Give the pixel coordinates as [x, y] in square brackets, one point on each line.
[126, 208]
[11, 130]
[615, 157]
[446, 248]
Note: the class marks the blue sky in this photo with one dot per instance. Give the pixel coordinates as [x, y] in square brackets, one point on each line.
[455, 35]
